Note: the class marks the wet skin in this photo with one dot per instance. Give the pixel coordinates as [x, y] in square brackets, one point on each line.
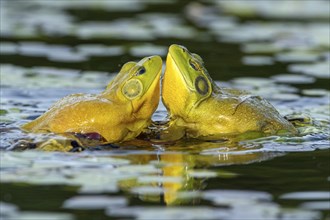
[119, 113]
[198, 108]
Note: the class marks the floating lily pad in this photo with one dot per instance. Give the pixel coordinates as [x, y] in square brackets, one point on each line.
[3, 112]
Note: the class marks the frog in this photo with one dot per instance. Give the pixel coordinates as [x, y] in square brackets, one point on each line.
[199, 108]
[117, 114]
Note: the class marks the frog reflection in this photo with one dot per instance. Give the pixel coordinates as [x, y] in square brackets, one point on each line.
[181, 175]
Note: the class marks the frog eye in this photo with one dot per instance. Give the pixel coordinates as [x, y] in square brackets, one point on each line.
[201, 85]
[194, 65]
[132, 88]
[141, 71]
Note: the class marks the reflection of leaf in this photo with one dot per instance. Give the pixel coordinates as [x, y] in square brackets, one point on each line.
[201, 173]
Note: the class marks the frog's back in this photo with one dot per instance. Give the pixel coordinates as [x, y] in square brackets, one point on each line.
[71, 114]
[227, 115]
[242, 112]
[261, 115]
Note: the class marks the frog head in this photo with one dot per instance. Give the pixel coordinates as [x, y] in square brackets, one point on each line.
[137, 83]
[186, 82]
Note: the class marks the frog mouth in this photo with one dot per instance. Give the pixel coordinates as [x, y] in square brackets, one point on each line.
[154, 77]
[183, 73]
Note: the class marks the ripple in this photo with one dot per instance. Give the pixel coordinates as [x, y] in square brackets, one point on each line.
[8, 48]
[296, 57]
[7, 209]
[323, 205]
[39, 77]
[284, 9]
[100, 50]
[293, 79]
[187, 213]
[27, 215]
[148, 50]
[94, 202]
[257, 60]
[307, 195]
[319, 69]
[316, 92]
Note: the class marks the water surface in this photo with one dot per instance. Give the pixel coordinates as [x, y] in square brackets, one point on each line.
[276, 49]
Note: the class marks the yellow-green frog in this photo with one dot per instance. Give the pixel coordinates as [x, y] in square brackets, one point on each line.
[198, 108]
[119, 113]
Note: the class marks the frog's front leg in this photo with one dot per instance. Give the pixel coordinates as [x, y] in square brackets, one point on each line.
[59, 145]
[48, 144]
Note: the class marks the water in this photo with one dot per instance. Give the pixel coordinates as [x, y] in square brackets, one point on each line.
[276, 49]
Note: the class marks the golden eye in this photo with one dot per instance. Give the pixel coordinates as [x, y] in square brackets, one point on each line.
[201, 85]
[194, 65]
[132, 89]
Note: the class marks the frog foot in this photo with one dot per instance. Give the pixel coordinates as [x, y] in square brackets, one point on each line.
[22, 145]
[60, 145]
[299, 120]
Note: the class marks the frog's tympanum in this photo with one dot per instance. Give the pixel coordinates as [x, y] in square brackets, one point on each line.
[200, 109]
[119, 113]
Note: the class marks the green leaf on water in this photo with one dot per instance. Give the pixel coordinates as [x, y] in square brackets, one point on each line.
[3, 112]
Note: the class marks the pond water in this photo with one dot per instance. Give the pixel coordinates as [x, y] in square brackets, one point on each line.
[276, 49]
